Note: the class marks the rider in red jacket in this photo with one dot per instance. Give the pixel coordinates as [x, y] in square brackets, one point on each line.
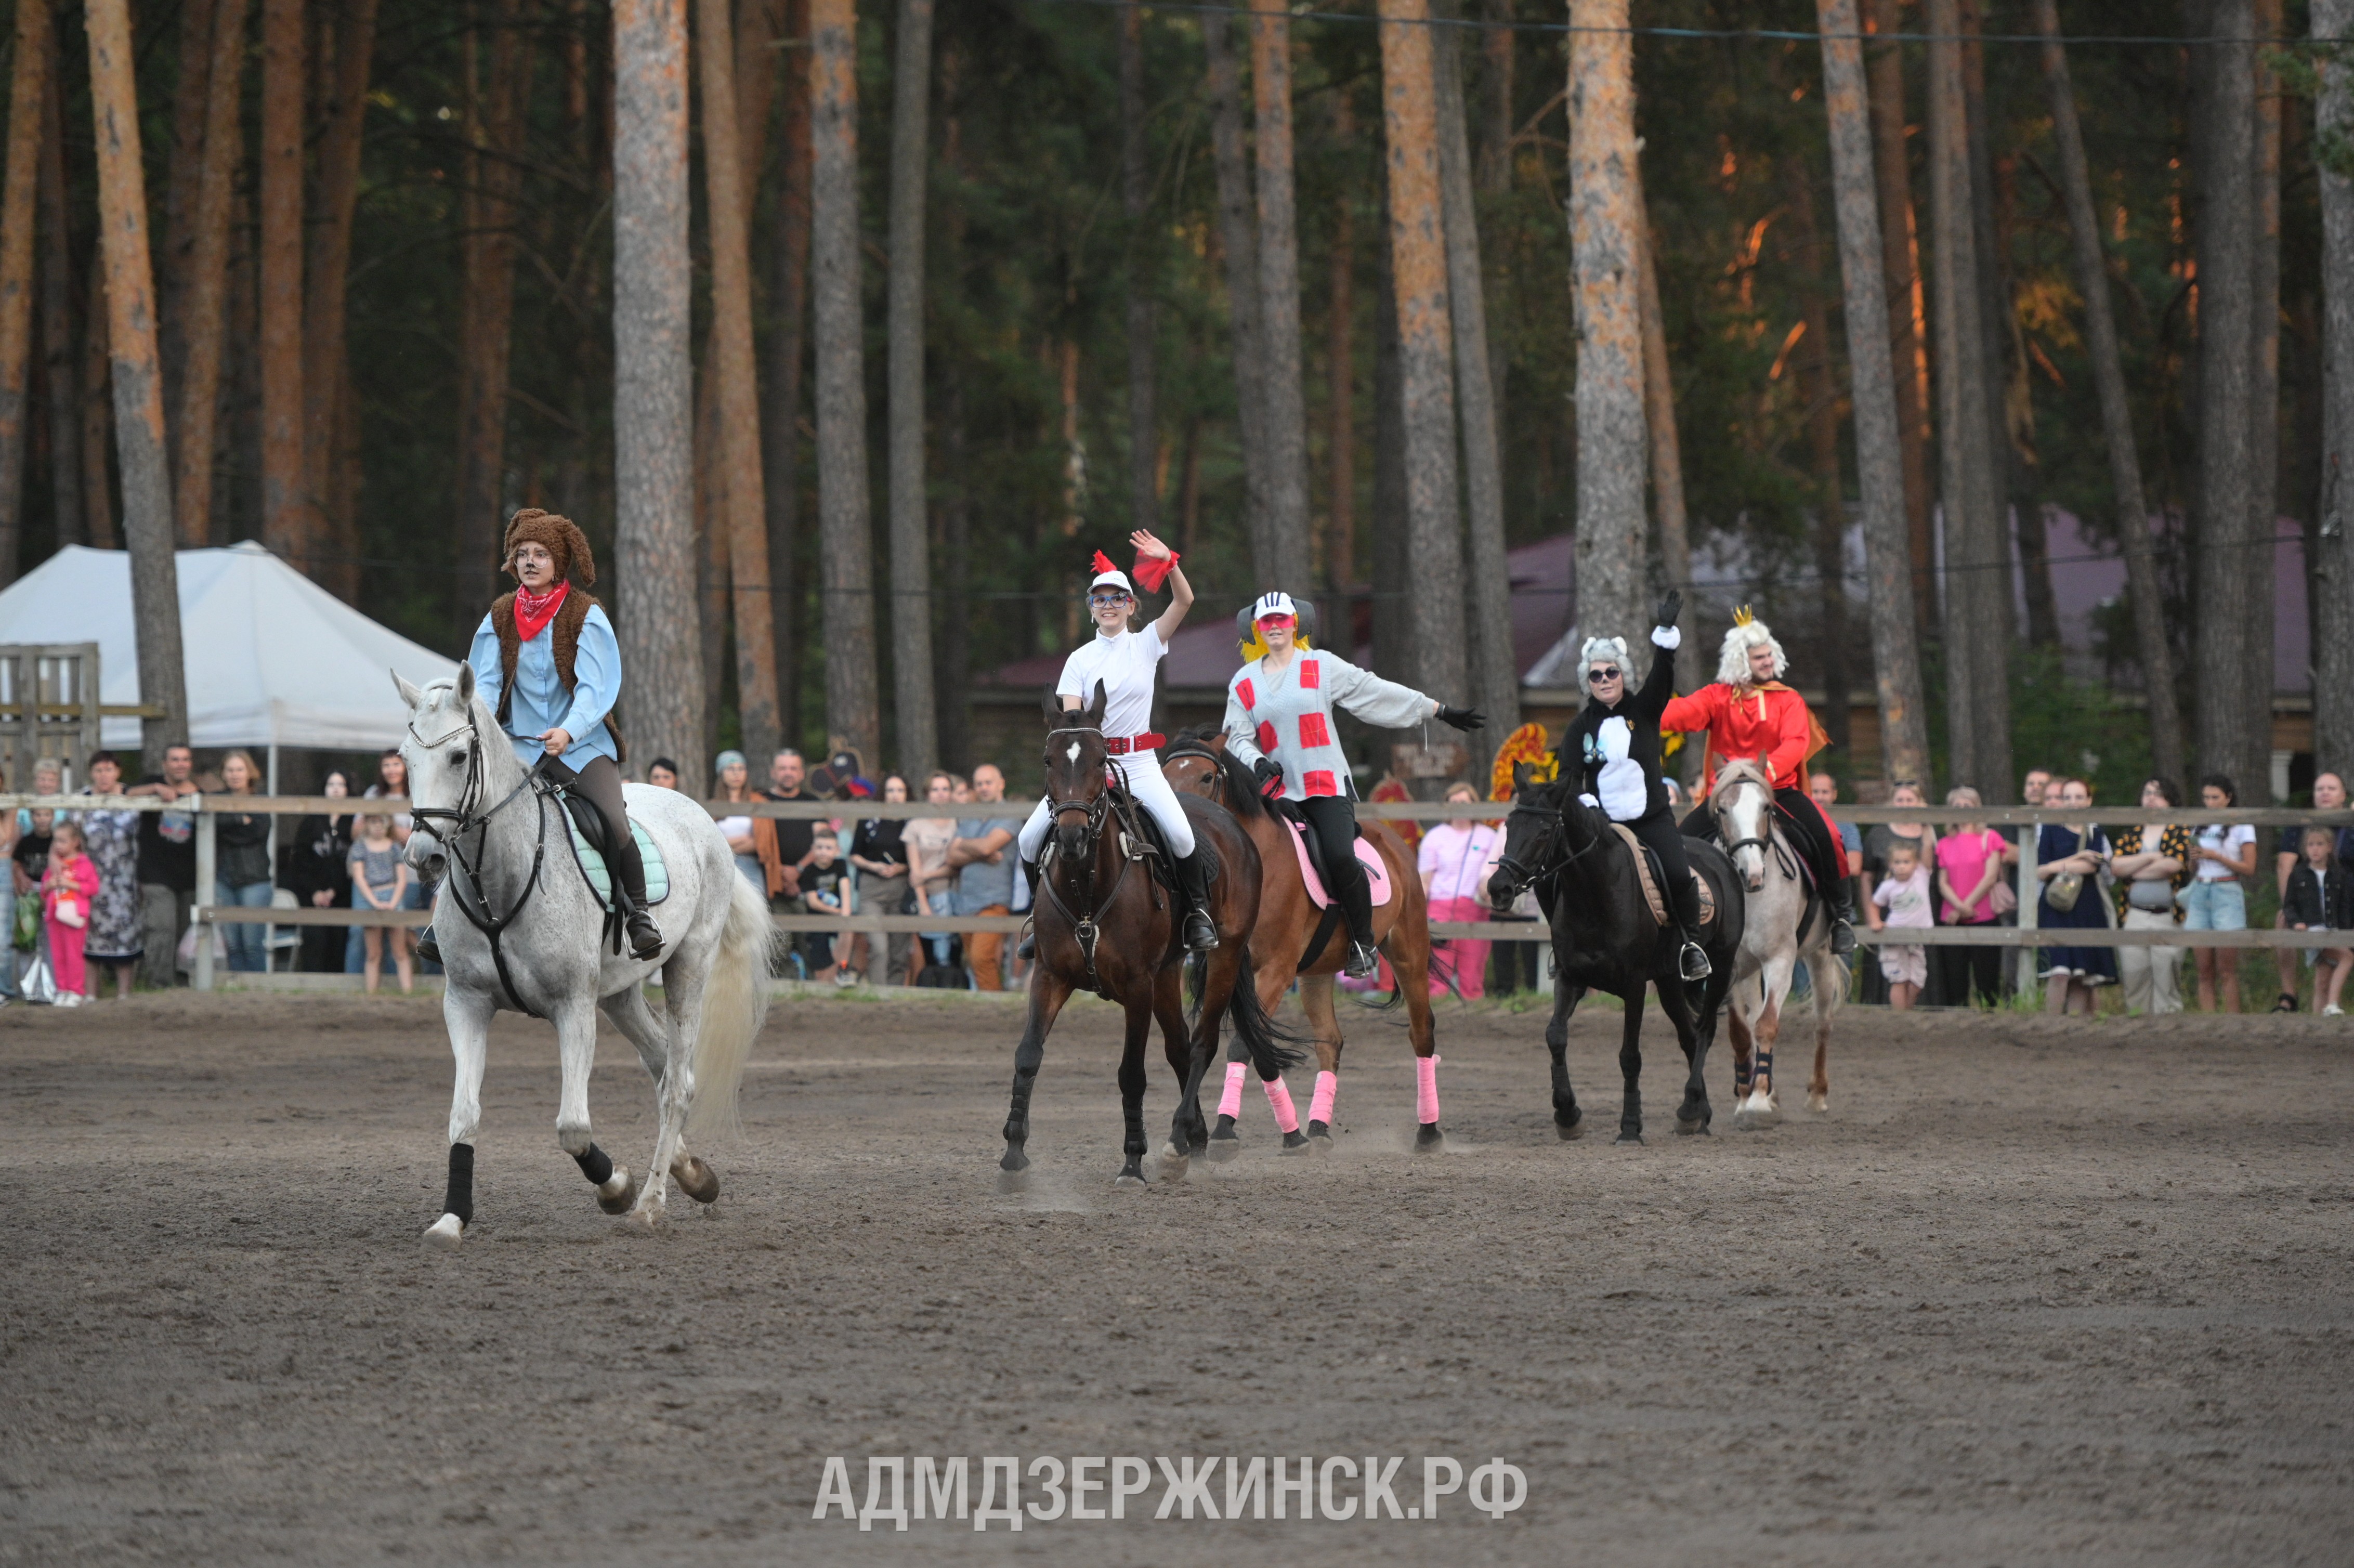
[1749, 712]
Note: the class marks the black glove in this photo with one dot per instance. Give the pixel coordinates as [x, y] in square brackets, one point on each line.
[1669, 608]
[1463, 718]
[1270, 777]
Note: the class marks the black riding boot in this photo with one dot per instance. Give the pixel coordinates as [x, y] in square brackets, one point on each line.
[1357, 904]
[1200, 932]
[1692, 961]
[645, 937]
[426, 947]
[1029, 947]
[1842, 902]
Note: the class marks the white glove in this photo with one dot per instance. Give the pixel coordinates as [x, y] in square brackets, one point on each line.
[1667, 637]
[1589, 800]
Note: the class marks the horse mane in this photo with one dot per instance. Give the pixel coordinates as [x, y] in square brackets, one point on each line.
[1243, 798]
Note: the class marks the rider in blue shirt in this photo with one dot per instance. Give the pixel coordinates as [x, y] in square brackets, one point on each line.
[547, 663]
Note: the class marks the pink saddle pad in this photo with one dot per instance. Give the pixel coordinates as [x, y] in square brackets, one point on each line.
[1377, 872]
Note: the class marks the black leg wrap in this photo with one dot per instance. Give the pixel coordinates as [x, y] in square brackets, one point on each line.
[460, 1199]
[595, 1164]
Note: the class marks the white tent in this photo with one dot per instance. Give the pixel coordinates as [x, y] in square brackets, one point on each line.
[271, 657]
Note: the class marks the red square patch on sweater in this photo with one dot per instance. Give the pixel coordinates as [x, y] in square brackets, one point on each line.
[1250, 696]
[1314, 731]
[1320, 782]
[1311, 676]
[1266, 737]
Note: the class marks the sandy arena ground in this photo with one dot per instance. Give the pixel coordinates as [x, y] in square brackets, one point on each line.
[2034, 1291]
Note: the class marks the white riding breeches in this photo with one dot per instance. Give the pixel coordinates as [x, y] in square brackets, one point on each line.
[1145, 782]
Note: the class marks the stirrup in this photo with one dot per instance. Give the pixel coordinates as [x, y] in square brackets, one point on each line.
[1694, 964]
[426, 947]
[1200, 932]
[1363, 959]
[645, 937]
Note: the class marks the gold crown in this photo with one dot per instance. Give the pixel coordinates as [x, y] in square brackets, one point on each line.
[1743, 617]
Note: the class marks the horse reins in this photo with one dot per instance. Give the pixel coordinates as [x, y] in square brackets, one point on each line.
[466, 820]
[1083, 928]
[1528, 876]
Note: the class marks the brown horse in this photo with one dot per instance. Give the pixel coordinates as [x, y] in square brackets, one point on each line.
[1105, 924]
[1288, 924]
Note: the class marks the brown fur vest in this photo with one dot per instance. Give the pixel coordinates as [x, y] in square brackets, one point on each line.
[565, 631]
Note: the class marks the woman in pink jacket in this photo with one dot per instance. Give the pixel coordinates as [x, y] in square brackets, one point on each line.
[1456, 861]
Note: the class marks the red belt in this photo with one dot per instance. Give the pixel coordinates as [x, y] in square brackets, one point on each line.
[1148, 741]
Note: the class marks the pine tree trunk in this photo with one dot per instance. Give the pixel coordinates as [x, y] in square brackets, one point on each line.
[653, 526]
[27, 96]
[60, 342]
[1495, 170]
[1612, 452]
[285, 503]
[1880, 408]
[1386, 541]
[788, 346]
[844, 506]
[730, 365]
[489, 251]
[204, 291]
[191, 97]
[1660, 426]
[326, 351]
[137, 379]
[911, 565]
[2333, 593]
[2264, 400]
[1340, 369]
[1976, 561]
[1906, 303]
[2167, 751]
[1238, 238]
[1494, 677]
[1136, 195]
[2230, 738]
[1818, 386]
[97, 410]
[1285, 560]
[1993, 307]
[954, 656]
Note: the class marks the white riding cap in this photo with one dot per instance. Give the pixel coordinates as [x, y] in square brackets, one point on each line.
[1600, 647]
[1733, 663]
[1117, 579]
[1275, 602]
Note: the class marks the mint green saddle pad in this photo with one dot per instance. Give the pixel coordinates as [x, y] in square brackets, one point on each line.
[600, 881]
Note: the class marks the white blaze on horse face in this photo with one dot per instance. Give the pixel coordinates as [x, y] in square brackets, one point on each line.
[1074, 753]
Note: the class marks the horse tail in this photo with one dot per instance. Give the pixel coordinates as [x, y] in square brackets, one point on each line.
[734, 1005]
[1262, 1036]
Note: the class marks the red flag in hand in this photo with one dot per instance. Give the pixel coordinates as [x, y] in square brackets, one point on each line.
[1153, 570]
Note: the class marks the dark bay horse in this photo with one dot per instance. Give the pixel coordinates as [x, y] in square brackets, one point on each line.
[1288, 921]
[1104, 924]
[1604, 938]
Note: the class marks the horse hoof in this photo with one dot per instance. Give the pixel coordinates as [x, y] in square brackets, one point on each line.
[1294, 1142]
[1427, 1138]
[1012, 1181]
[646, 1216]
[1014, 1158]
[1628, 1137]
[1694, 1129]
[1319, 1139]
[695, 1179]
[1818, 1102]
[1172, 1167]
[1131, 1177]
[444, 1233]
[619, 1193]
[1573, 1129]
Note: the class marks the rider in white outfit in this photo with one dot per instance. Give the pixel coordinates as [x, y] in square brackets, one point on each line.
[1126, 663]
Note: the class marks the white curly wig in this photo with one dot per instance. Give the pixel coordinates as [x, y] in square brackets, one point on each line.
[1733, 663]
[1601, 647]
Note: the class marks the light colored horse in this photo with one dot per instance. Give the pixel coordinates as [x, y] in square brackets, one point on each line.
[515, 911]
[1771, 950]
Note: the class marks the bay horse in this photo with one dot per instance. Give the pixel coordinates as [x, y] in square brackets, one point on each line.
[1105, 924]
[521, 930]
[1288, 922]
[1604, 938]
[1787, 925]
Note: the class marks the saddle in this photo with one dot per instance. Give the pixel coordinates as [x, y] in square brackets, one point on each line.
[1141, 838]
[1646, 867]
[1310, 851]
[588, 825]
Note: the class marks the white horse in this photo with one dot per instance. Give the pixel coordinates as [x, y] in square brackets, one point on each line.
[520, 929]
[1771, 950]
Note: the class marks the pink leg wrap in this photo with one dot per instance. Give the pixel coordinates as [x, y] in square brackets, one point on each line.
[1425, 1090]
[1279, 1095]
[1231, 1102]
[1328, 1089]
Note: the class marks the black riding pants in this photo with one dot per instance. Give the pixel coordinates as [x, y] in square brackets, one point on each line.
[1334, 819]
[1657, 830]
[599, 782]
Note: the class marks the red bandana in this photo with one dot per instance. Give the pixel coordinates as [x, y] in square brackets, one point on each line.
[534, 610]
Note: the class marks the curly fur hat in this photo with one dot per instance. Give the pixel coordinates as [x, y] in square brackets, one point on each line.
[1744, 633]
[1613, 648]
[561, 536]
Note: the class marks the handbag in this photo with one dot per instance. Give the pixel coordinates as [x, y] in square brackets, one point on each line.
[2064, 890]
[70, 916]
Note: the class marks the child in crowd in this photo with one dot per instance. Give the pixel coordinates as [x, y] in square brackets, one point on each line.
[822, 885]
[2317, 898]
[68, 887]
[1905, 893]
[380, 879]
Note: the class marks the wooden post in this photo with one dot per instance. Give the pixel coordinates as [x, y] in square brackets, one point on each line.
[207, 873]
[138, 382]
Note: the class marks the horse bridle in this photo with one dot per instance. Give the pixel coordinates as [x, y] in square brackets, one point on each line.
[1097, 811]
[1185, 749]
[466, 820]
[1527, 877]
[1761, 842]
